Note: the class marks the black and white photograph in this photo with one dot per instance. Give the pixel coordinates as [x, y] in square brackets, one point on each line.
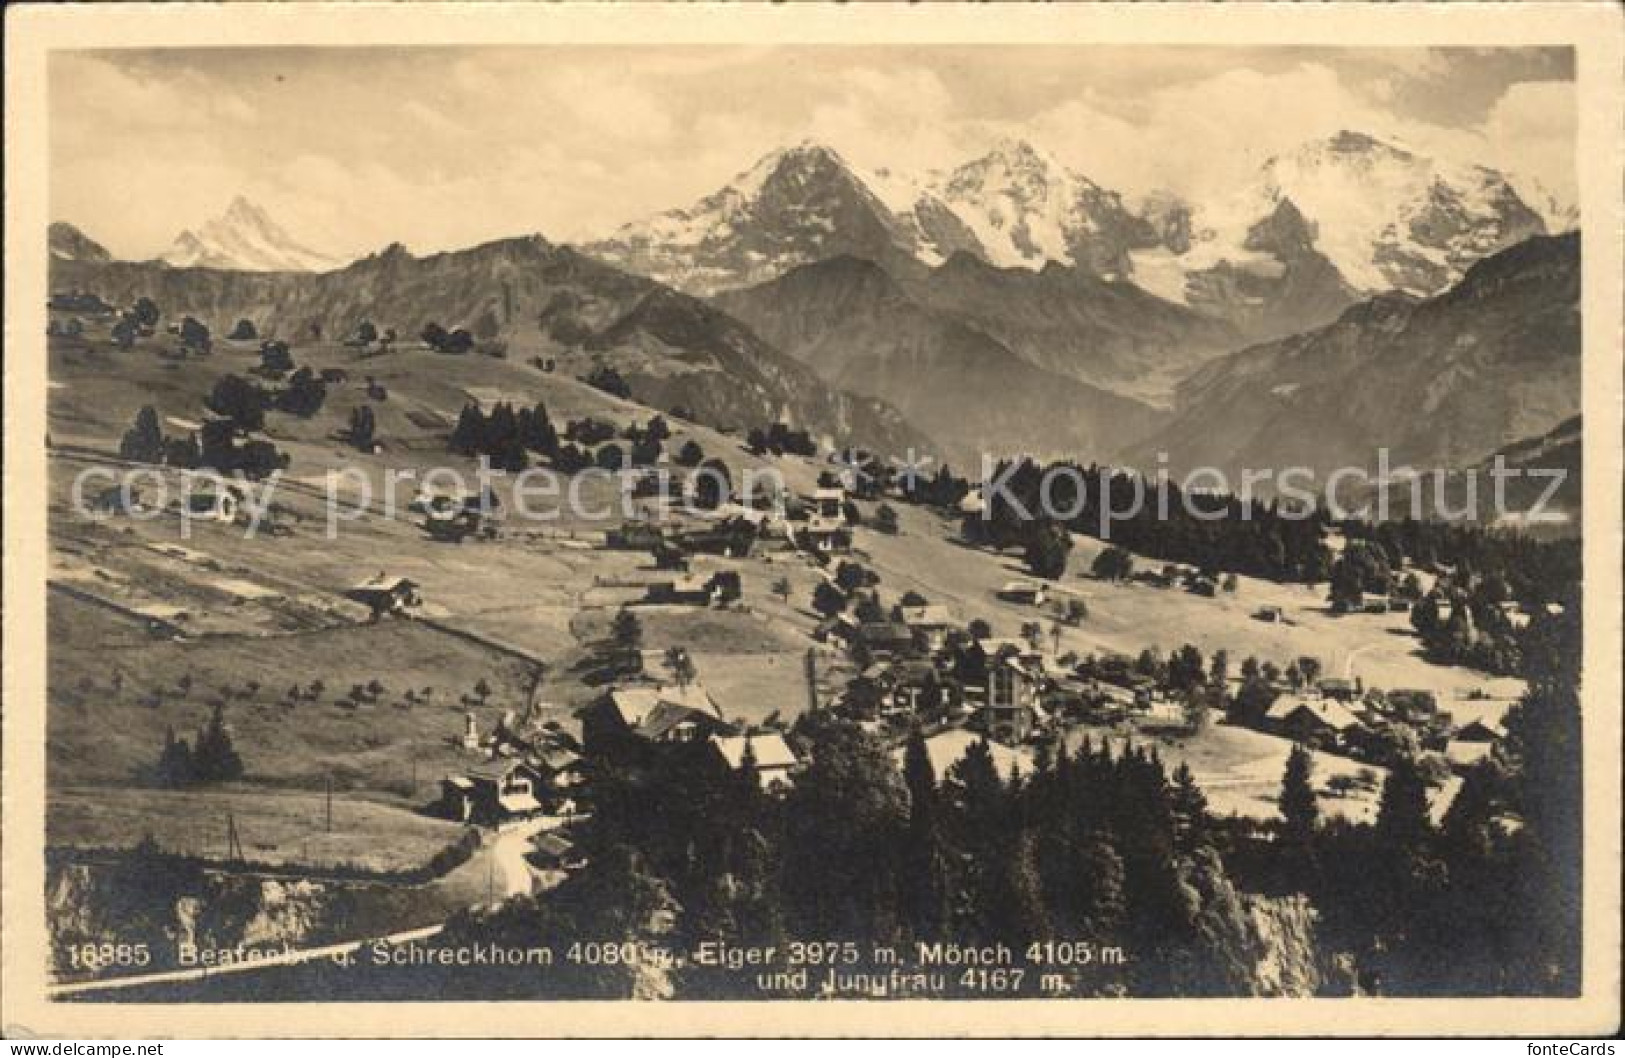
[818, 524]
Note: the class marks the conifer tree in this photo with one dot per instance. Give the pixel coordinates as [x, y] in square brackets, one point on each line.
[1189, 806]
[468, 438]
[175, 766]
[214, 757]
[143, 442]
[1299, 812]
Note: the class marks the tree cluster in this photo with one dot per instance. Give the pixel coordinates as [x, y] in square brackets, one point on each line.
[779, 439]
[506, 436]
[212, 757]
[1206, 530]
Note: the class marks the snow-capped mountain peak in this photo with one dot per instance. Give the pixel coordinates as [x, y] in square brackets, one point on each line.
[1390, 218]
[1027, 208]
[1344, 216]
[794, 206]
[244, 238]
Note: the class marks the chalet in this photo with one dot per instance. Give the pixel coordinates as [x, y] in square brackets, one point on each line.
[886, 639]
[211, 502]
[562, 768]
[650, 714]
[984, 651]
[840, 630]
[670, 557]
[552, 851]
[118, 499]
[384, 594]
[1482, 731]
[732, 538]
[774, 759]
[1023, 592]
[1108, 701]
[928, 624]
[826, 530]
[492, 792]
[1412, 706]
[696, 589]
[1473, 742]
[906, 687]
[1320, 721]
[1343, 690]
[1463, 755]
[947, 748]
[1164, 716]
[635, 536]
[453, 526]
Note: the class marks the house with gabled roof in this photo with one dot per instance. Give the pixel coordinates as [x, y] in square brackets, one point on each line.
[946, 748]
[1024, 592]
[649, 713]
[492, 791]
[1320, 721]
[385, 594]
[928, 623]
[775, 761]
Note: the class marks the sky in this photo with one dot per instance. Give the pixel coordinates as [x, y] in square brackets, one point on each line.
[351, 149]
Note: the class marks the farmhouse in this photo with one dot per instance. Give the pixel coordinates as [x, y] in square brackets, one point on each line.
[696, 589]
[774, 759]
[1321, 721]
[384, 594]
[492, 792]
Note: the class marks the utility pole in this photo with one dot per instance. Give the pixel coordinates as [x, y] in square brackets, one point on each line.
[234, 843]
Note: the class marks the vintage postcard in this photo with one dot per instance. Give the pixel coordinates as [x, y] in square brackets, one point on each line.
[778, 521]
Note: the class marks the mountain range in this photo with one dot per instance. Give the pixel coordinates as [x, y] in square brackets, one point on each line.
[537, 298]
[1313, 231]
[1440, 382]
[244, 238]
[1008, 304]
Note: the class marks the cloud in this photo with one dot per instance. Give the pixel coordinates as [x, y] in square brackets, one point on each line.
[1531, 132]
[443, 148]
